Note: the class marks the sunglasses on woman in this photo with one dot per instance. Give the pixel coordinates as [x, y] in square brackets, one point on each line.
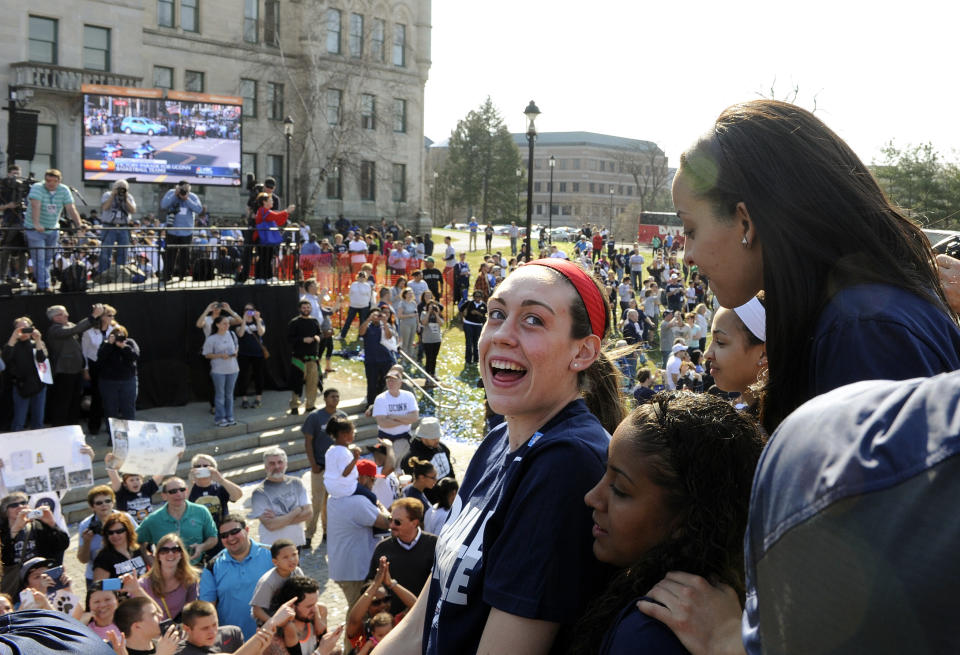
[117, 531]
[166, 550]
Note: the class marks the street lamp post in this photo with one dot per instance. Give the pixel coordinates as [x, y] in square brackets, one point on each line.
[288, 135]
[611, 211]
[552, 162]
[435, 187]
[531, 112]
[519, 177]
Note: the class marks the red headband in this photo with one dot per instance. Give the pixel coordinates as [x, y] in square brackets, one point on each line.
[586, 288]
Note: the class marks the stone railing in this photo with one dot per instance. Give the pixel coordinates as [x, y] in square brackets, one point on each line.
[47, 77]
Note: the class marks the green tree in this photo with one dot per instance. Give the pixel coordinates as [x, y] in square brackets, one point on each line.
[916, 178]
[481, 165]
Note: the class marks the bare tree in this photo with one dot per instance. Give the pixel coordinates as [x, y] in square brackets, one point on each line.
[647, 165]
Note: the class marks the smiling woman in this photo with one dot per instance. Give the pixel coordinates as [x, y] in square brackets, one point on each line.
[674, 496]
[513, 566]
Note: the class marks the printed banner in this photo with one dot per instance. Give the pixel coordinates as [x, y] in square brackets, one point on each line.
[35, 461]
[147, 448]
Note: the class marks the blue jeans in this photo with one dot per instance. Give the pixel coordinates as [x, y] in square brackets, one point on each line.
[120, 238]
[223, 384]
[34, 405]
[119, 398]
[472, 336]
[42, 249]
[362, 312]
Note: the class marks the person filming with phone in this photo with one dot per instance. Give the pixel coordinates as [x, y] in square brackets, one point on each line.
[28, 366]
[182, 208]
[24, 534]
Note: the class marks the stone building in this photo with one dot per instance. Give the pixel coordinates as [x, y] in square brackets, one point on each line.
[350, 75]
[593, 179]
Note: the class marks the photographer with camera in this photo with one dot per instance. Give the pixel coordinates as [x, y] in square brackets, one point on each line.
[28, 365]
[118, 207]
[431, 334]
[13, 243]
[24, 534]
[182, 208]
[117, 364]
[42, 223]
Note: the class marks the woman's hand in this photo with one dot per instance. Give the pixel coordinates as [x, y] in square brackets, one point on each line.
[705, 618]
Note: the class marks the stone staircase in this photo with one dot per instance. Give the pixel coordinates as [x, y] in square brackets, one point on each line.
[237, 449]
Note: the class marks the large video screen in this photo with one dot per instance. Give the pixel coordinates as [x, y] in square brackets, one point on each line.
[160, 137]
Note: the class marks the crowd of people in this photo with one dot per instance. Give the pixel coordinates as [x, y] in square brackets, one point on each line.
[816, 465]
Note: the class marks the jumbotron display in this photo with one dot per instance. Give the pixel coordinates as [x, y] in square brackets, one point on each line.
[160, 137]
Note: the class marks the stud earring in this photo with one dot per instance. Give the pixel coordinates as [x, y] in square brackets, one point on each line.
[744, 242]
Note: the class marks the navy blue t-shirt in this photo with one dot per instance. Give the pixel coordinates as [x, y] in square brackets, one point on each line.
[880, 332]
[635, 632]
[518, 537]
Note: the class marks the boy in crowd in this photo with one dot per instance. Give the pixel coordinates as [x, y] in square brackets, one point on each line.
[138, 619]
[286, 562]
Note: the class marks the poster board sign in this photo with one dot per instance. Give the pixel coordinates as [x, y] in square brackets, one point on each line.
[146, 447]
[35, 461]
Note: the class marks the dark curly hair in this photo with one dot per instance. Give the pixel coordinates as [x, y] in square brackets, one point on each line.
[702, 453]
[296, 586]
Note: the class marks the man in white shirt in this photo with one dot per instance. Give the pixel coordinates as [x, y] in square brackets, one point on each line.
[678, 356]
[395, 410]
[357, 249]
[417, 285]
[556, 252]
[280, 502]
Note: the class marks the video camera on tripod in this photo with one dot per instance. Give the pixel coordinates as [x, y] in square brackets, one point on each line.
[16, 190]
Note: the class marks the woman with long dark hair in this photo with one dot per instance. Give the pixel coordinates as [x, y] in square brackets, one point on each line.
[674, 496]
[513, 566]
[772, 199]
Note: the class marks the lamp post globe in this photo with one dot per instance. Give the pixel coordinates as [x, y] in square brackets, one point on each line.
[531, 112]
[288, 135]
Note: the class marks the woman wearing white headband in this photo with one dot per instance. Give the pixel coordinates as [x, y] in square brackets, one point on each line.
[737, 354]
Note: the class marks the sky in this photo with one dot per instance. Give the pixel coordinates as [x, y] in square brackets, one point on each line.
[663, 71]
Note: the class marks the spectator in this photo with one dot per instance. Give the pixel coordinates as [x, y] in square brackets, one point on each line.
[377, 359]
[132, 494]
[409, 550]
[221, 349]
[268, 235]
[66, 355]
[433, 277]
[350, 539]
[286, 562]
[304, 336]
[482, 284]
[474, 315]
[340, 460]
[461, 279]
[301, 633]
[316, 444]
[230, 579]
[27, 365]
[368, 621]
[182, 208]
[101, 606]
[431, 336]
[408, 320]
[101, 500]
[437, 514]
[280, 502]
[23, 538]
[514, 233]
[117, 206]
[417, 285]
[426, 446]
[424, 478]
[42, 223]
[643, 392]
[251, 356]
[117, 370]
[120, 553]
[138, 618]
[395, 410]
[172, 582]
[90, 344]
[191, 521]
[672, 370]
[669, 326]
[203, 632]
[386, 485]
[209, 488]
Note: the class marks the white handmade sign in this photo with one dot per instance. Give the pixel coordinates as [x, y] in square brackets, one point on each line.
[35, 461]
[146, 448]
